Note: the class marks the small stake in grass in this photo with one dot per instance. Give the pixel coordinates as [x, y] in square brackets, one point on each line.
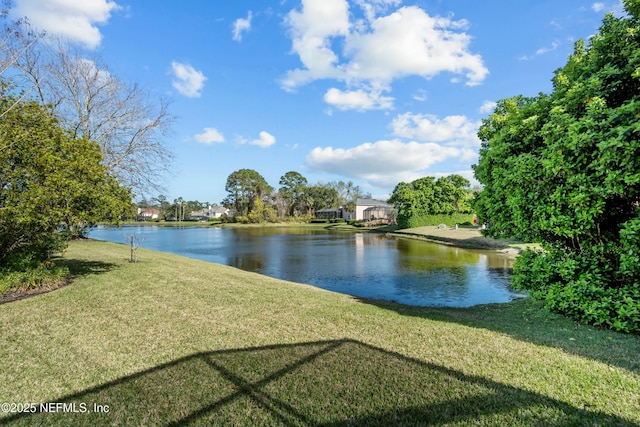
[134, 241]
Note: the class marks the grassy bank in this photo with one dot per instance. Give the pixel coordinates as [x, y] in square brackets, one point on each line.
[464, 237]
[173, 341]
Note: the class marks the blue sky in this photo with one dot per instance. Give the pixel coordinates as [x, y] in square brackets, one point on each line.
[372, 91]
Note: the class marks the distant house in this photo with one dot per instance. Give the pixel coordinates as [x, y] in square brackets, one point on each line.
[217, 211]
[146, 214]
[333, 213]
[371, 209]
[208, 213]
[200, 215]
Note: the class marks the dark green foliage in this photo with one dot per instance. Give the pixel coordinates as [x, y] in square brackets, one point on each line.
[245, 186]
[564, 170]
[320, 196]
[449, 220]
[52, 185]
[293, 186]
[29, 274]
[580, 284]
[420, 201]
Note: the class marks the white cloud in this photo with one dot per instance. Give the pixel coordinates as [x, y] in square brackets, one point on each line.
[420, 95]
[265, 140]
[75, 20]
[451, 130]
[384, 163]
[83, 67]
[617, 8]
[404, 43]
[187, 80]
[240, 26]
[546, 49]
[433, 143]
[488, 107]
[357, 100]
[209, 136]
[311, 30]
[556, 24]
[410, 42]
[372, 8]
[554, 46]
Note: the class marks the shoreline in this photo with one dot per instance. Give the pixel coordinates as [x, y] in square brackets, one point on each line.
[467, 238]
[463, 237]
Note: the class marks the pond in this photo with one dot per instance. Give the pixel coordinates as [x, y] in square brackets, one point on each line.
[368, 265]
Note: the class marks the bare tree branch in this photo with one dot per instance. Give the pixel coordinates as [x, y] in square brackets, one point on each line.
[128, 122]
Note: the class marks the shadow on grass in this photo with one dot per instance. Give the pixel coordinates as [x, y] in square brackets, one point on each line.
[78, 267]
[527, 320]
[327, 383]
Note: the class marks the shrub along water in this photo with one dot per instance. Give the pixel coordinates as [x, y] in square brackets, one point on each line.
[562, 169]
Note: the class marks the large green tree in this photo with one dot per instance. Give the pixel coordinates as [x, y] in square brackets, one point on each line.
[52, 185]
[244, 187]
[348, 193]
[292, 188]
[564, 170]
[320, 196]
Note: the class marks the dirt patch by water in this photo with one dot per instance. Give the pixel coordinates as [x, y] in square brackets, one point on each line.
[461, 237]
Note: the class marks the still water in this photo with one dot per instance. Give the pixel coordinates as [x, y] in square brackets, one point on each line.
[365, 265]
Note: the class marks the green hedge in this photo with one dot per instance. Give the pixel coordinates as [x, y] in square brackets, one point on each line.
[580, 285]
[449, 220]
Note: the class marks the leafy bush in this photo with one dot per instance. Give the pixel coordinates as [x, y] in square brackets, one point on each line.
[32, 275]
[562, 169]
[52, 184]
[580, 285]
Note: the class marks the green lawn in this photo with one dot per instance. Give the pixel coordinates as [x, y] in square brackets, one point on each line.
[174, 341]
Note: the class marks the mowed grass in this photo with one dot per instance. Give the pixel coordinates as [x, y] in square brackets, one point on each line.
[175, 341]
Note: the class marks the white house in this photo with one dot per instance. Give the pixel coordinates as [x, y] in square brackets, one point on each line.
[146, 214]
[370, 209]
[217, 211]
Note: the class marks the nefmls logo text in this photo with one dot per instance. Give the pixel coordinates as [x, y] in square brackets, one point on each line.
[53, 407]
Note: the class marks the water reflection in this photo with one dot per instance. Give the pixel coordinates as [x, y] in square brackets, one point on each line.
[365, 265]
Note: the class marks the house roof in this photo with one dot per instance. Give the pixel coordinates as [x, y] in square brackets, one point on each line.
[148, 211]
[377, 208]
[371, 202]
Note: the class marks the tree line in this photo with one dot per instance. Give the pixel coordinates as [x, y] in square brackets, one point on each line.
[252, 200]
[424, 201]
